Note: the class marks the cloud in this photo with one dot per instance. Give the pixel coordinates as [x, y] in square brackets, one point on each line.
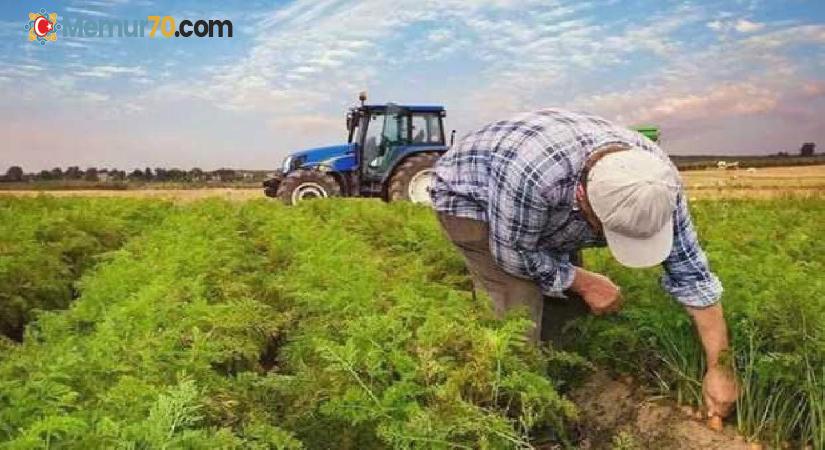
[716, 25]
[108, 71]
[74, 44]
[87, 12]
[814, 88]
[787, 36]
[94, 97]
[746, 26]
[722, 100]
[743, 26]
[21, 70]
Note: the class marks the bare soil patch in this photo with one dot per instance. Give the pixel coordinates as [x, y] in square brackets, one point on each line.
[620, 414]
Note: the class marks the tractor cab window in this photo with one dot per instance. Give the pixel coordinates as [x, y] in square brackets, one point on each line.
[396, 131]
[372, 136]
[426, 129]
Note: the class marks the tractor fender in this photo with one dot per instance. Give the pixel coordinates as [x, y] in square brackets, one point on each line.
[409, 151]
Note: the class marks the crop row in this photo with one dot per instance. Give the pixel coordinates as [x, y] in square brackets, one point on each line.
[769, 256]
[47, 243]
[253, 325]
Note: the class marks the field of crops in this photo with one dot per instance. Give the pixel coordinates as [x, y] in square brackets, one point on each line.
[350, 324]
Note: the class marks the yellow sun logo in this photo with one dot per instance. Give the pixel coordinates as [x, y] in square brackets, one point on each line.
[43, 28]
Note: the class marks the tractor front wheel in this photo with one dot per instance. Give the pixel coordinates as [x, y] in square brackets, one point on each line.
[411, 180]
[307, 184]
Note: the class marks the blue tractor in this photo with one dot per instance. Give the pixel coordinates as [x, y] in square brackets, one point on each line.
[389, 154]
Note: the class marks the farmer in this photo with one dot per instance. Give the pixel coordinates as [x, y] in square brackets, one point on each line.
[520, 196]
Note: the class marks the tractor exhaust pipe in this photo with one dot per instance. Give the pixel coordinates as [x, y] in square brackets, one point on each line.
[452, 138]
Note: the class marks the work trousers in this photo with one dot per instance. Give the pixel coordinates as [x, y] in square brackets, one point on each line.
[507, 292]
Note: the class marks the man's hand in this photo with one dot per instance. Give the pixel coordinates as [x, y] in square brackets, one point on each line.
[600, 294]
[719, 391]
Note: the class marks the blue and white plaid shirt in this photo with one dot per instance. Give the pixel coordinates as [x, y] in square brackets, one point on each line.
[520, 176]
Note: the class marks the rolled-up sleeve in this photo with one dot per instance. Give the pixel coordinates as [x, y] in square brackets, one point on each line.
[687, 275]
[517, 215]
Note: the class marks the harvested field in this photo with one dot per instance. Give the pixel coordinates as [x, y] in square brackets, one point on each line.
[758, 183]
[183, 195]
[761, 183]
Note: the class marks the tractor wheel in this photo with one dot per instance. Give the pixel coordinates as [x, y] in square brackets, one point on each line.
[306, 184]
[411, 180]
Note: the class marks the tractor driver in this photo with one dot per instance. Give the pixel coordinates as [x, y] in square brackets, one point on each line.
[519, 196]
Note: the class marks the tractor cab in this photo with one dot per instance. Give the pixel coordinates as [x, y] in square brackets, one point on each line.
[383, 135]
[390, 152]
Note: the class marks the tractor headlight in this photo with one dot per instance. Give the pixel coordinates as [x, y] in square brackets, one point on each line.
[287, 164]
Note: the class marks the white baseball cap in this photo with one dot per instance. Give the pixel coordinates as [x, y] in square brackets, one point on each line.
[633, 193]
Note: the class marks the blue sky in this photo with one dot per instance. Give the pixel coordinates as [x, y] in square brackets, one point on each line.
[718, 77]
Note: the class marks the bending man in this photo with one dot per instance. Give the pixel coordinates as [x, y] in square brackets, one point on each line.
[519, 196]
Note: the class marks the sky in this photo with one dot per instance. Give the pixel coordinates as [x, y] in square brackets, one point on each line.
[719, 77]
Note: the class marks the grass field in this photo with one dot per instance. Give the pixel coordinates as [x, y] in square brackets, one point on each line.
[350, 324]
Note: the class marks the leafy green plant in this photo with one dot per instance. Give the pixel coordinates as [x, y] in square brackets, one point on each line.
[46, 244]
[350, 324]
[768, 254]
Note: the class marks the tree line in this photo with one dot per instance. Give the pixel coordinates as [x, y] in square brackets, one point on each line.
[158, 174]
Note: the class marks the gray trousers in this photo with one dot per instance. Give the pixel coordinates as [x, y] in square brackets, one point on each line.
[508, 291]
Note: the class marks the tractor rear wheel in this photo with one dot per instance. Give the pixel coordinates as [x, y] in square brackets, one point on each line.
[411, 180]
[307, 184]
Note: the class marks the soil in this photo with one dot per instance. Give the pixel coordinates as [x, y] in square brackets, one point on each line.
[620, 414]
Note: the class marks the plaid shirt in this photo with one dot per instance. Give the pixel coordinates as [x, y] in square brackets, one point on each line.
[520, 177]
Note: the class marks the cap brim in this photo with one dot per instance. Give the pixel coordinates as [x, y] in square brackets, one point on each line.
[641, 252]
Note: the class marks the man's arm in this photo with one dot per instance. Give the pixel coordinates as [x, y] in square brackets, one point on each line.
[713, 331]
[719, 388]
[687, 274]
[689, 279]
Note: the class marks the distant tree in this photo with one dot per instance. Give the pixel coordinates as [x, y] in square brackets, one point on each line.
[196, 174]
[57, 173]
[782, 154]
[174, 174]
[91, 174]
[73, 173]
[14, 173]
[147, 174]
[807, 149]
[44, 175]
[226, 174]
[161, 174]
[136, 174]
[117, 175]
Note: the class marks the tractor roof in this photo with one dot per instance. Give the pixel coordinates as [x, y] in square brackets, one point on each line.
[414, 108]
